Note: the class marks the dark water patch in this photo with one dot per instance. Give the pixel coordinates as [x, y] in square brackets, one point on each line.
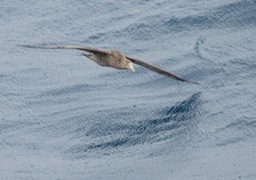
[234, 15]
[97, 37]
[231, 140]
[3, 76]
[238, 13]
[164, 125]
[242, 124]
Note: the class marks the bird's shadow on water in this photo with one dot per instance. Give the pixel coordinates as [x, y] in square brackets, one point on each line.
[166, 124]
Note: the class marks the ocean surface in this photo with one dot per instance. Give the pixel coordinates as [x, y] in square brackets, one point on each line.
[64, 117]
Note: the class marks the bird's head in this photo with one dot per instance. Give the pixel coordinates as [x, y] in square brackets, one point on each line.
[88, 55]
[129, 66]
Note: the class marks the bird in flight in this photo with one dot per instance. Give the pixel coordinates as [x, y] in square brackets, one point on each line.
[114, 59]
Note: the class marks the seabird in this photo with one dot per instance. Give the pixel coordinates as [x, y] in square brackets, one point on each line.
[114, 59]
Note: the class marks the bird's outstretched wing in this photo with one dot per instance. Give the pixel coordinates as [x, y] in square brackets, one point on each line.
[158, 70]
[82, 48]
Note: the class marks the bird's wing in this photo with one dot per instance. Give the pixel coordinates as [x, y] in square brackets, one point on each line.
[157, 69]
[82, 48]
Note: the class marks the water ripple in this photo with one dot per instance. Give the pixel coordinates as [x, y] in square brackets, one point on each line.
[167, 124]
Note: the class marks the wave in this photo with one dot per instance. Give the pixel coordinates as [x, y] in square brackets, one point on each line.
[234, 15]
[168, 123]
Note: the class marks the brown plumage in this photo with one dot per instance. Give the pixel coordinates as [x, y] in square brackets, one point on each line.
[113, 58]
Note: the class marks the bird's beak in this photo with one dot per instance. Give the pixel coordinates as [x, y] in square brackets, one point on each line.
[130, 66]
[85, 54]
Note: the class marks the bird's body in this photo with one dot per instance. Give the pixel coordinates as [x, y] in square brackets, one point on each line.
[110, 58]
[114, 59]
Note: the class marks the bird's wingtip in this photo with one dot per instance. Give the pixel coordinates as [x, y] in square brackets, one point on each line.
[22, 45]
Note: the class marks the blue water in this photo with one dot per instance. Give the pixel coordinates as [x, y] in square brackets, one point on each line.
[64, 117]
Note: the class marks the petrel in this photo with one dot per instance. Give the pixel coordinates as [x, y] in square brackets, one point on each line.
[114, 59]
